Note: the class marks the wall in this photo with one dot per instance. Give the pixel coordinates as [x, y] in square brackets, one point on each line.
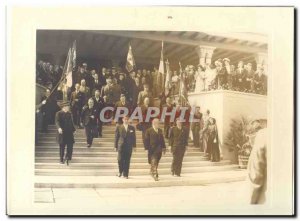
[226, 105]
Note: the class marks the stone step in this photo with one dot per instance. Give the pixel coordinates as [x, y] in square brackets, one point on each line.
[89, 159]
[69, 171]
[107, 154]
[102, 148]
[96, 143]
[105, 126]
[99, 166]
[78, 137]
[82, 133]
[193, 179]
[104, 129]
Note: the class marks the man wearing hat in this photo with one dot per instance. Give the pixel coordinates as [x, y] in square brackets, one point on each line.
[66, 129]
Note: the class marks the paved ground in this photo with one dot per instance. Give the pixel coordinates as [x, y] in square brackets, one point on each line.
[158, 200]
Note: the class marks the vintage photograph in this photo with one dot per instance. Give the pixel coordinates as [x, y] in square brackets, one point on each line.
[153, 121]
[156, 108]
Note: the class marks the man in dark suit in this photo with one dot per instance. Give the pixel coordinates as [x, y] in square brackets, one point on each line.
[99, 105]
[108, 91]
[143, 94]
[155, 144]
[197, 126]
[240, 75]
[75, 104]
[96, 84]
[89, 121]
[145, 124]
[81, 74]
[103, 76]
[167, 124]
[135, 90]
[121, 103]
[249, 78]
[66, 129]
[260, 82]
[131, 87]
[48, 110]
[178, 141]
[125, 140]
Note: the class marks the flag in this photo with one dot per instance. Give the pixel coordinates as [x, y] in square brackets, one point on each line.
[168, 76]
[161, 68]
[130, 64]
[70, 65]
[74, 55]
[183, 96]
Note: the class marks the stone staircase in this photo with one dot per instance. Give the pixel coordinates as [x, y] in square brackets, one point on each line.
[97, 166]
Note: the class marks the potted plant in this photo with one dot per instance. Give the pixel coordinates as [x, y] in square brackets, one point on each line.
[240, 139]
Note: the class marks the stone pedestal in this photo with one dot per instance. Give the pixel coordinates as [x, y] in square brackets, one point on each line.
[227, 105]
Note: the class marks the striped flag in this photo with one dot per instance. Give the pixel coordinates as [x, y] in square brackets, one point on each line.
[74, 55]
[168, 76]
[130, 64]
[70, 65]
[161, 68]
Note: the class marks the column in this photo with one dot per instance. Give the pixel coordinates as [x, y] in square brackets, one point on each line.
[205, 54]
[262, 61]
[209, 54]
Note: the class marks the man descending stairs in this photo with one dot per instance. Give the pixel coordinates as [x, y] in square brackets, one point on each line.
[97, 166]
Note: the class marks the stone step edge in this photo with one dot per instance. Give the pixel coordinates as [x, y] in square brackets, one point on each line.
[140, 181]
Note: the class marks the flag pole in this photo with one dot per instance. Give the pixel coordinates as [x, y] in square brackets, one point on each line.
[63, 77]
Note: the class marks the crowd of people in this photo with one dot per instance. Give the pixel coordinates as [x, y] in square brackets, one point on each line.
[223, 76]
[79, 106]
[114, 81]
[91, 92]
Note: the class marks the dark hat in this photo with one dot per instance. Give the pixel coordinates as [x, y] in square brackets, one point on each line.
[62, 103]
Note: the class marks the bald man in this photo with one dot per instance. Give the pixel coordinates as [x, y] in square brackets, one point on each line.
[155, 144]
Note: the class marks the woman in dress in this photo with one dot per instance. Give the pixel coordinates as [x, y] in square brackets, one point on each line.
[203, 133]
[213, 141]
[200, 79]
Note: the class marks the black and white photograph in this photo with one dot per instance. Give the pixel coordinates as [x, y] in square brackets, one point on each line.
[158, 121]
